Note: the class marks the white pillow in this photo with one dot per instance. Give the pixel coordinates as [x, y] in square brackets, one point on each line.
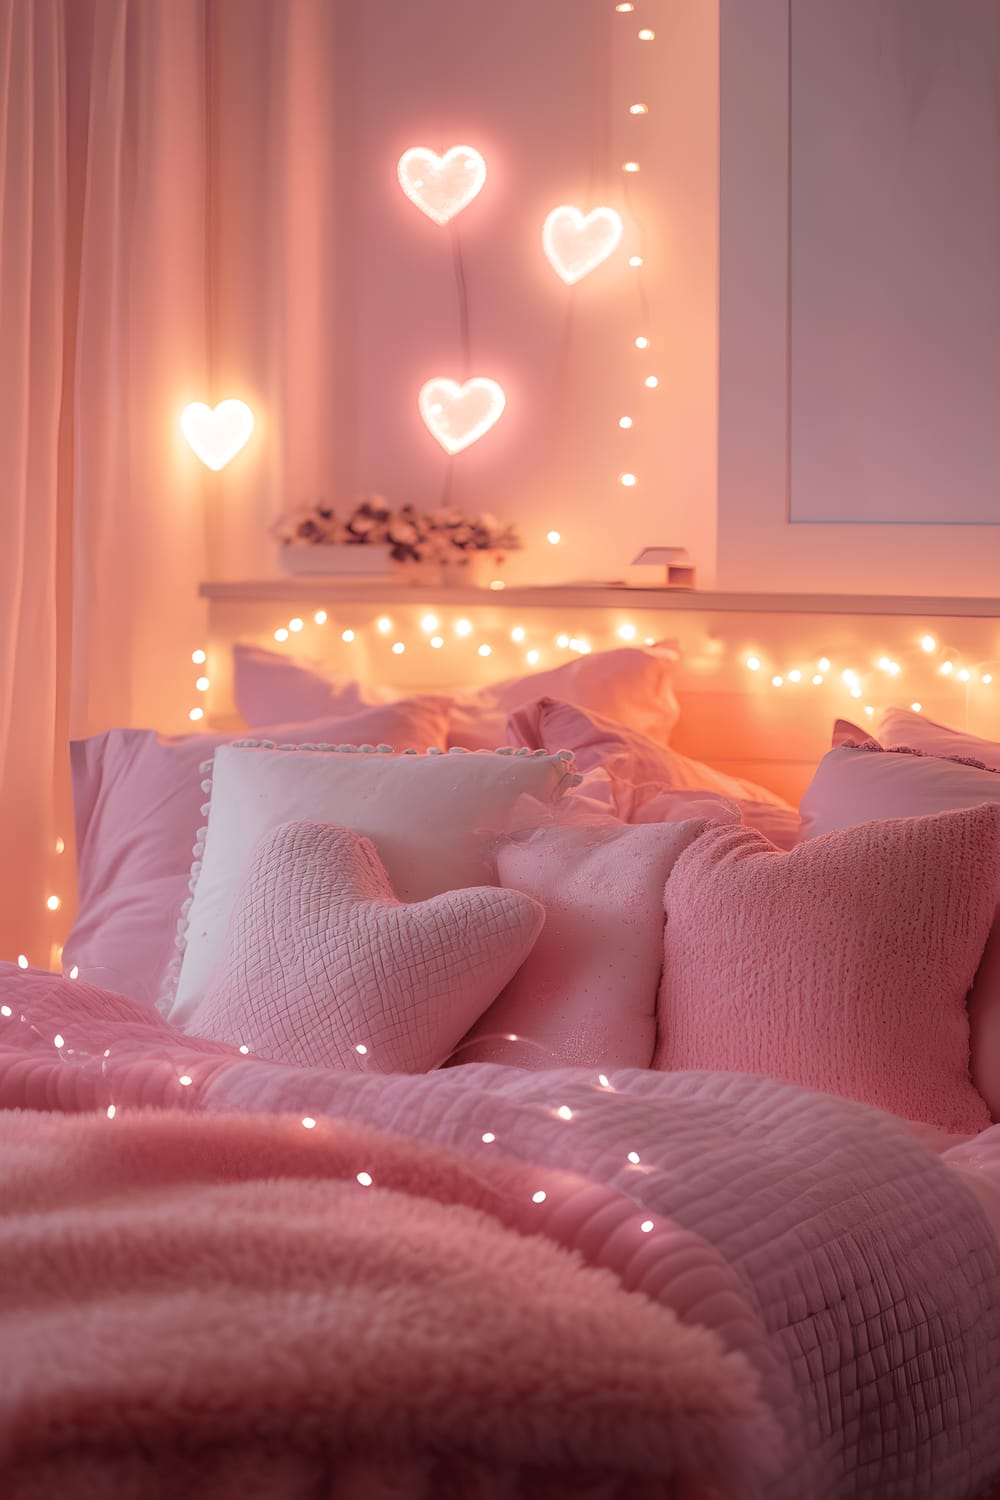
[431, 817]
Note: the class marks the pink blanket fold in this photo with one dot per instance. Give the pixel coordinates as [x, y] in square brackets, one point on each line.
[853, 1267]
[216, 1306]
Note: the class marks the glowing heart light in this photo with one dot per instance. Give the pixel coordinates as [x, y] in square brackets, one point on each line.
[217, 436]
[458, 415]
[441, 186]
[576, 243]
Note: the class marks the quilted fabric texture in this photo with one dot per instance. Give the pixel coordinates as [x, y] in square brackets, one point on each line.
[323, 967]
[842, 966]
[586, 995]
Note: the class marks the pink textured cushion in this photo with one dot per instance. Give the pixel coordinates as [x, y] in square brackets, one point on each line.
[842, 966]
[586, 996]
[901, 726]
[433, 819]
[854, 785]
[632, 686]
[641, 771]
[138, 799]
[323, 967]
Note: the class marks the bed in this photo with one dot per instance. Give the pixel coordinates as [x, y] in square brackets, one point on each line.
[429, 1109]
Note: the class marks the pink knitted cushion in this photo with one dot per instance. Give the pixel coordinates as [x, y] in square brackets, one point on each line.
[842, 966]
[586, 995]
[323, 967]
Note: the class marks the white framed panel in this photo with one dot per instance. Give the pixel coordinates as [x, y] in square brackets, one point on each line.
[894, 261]
[759, 547]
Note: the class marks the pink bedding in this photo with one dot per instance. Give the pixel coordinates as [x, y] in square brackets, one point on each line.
[852, 1266]
[236, 1306]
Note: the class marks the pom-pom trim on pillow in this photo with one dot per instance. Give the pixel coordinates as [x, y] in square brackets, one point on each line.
[958, 760]
[171, 978]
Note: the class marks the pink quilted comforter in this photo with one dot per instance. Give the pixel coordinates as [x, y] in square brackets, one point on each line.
[847, 1263]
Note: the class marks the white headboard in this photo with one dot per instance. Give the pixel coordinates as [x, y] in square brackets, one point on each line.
[732, 716]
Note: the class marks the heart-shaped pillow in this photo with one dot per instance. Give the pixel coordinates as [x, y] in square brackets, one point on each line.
[324, 967]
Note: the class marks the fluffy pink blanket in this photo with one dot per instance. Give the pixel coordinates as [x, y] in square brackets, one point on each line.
[851, 1266]
[216, 1306]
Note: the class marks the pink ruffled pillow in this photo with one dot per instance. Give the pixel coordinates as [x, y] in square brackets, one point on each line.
[586, 995]
[138, 798]
[641, 771]
[842, 966]
[323, 967]
[632, 685]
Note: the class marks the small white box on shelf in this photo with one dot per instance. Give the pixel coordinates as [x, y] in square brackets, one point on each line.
[678, 567]
[347, 560]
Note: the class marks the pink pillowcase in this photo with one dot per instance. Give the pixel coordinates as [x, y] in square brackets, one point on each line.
[842, 966]
[901, 726]
[856, 785]
[641, 772]
[273, 689]
[323, 967]
[632, 686]
[586, 995]
[138, 799]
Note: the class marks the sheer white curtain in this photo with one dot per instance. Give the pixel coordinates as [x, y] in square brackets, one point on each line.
[32, 367]
[102, 338]
[166, 204]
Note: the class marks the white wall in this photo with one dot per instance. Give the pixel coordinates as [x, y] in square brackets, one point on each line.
[542, 91]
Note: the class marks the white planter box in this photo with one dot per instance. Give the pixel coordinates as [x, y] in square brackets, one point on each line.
[364, 560]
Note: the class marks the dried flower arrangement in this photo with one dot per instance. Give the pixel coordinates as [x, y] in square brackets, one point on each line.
[413, 536]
